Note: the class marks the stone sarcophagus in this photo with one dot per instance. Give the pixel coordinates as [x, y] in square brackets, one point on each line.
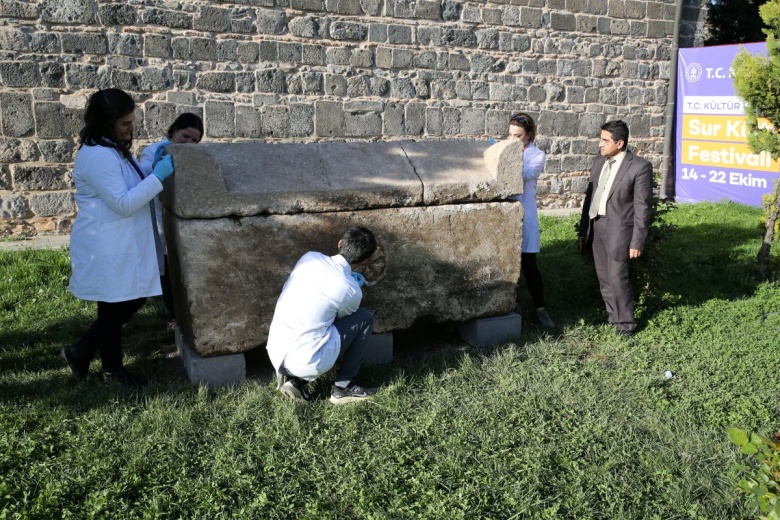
[238, 217]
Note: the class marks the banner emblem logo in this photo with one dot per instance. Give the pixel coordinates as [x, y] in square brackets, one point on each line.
[693, 72]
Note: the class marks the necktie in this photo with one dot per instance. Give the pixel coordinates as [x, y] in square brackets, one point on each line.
[603, 179]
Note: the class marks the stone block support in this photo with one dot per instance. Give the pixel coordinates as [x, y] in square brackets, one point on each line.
[482, 332]
[214, 371]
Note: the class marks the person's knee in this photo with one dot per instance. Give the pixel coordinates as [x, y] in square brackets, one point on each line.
[364, 314]
[366, 319]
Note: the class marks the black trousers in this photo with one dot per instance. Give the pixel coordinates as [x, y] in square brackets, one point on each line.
[105, 333]
[533, 278]
[167, 292]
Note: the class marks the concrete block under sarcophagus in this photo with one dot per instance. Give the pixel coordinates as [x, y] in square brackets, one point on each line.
[239, 216]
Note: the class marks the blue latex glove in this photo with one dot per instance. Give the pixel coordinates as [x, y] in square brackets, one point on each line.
[164, 168]
[359, 278]
[492, 141]
[158, 155]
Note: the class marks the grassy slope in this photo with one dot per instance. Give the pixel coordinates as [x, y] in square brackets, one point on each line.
[577, 425]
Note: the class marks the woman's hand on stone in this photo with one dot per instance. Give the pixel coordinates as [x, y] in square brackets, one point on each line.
[164, 168]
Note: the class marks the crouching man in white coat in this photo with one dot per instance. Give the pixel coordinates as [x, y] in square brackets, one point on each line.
[115, 252]
[318, 320]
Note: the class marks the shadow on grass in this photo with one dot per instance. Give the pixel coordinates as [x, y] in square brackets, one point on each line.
[699, 262]
[33, 367]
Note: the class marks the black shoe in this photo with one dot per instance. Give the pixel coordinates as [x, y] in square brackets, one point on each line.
[544, 319]
[350, 394]
[296, 388]
[124, 378]
[78, 365]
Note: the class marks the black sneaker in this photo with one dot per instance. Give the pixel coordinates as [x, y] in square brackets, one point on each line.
[350, 394]
[78, 365]
[296, 388]
[124, 378]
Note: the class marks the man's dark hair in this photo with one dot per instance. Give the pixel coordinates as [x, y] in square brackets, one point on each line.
[104, 108]
[357, 244]
[186, 120]
[619, 131]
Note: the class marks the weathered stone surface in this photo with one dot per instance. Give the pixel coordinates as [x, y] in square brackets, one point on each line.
[117, 14]
[72, 11]
[172, 19]
[270, 21]
[84, 43]
[39, 177]
[218, 180]
[56, 151]
[212, 19]
[52, 203]
[19, 73]
[432, 273]
[14, 206]
[304, 26]
[16, 114]
[12, 9]
[458, 172]
[49, 120]
[15, 150]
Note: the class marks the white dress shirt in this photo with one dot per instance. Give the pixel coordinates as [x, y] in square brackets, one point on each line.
[302, 337]
[618, 160]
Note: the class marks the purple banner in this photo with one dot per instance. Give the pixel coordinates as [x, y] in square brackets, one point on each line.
[713, 161]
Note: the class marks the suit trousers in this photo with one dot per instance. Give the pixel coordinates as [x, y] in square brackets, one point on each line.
[614, 282]
[355, 332]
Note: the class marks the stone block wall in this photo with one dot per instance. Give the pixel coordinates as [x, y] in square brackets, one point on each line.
[325, 70]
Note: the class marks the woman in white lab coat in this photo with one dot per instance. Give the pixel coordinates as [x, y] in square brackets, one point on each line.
[114, 250]
[523, 129]
[186, 129]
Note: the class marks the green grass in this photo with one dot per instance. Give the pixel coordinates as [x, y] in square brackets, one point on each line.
[576, 425]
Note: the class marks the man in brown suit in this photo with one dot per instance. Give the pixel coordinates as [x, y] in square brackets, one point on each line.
[616, 216]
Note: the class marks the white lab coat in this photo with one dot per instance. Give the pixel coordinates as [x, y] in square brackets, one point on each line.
[533, 164]
[147, 165]
[112, 247]
[302, 336]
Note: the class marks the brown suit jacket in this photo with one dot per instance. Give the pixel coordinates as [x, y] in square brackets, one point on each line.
[629, 206]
